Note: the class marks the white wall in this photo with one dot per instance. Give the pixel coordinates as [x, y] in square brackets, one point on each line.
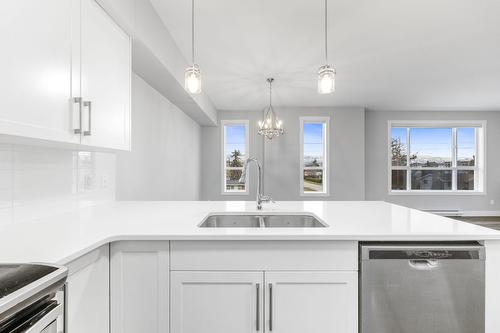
[164, 163]
[376, 162]
[281, 155]
[37, 181]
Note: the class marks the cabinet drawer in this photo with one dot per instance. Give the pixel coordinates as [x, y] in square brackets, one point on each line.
[263, 255]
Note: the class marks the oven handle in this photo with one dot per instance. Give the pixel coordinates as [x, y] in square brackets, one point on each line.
[46, 320]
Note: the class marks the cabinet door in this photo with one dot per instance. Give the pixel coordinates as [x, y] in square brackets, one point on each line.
[36, 65]
[88, 293]
[222, 302]
[312, 302]
[106, 79]
[139, 287]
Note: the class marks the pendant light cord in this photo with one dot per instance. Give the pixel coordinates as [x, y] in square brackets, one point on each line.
[270, 93]
[326, 31]
[192, 31]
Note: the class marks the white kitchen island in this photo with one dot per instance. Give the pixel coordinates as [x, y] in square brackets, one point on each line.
[152, 265]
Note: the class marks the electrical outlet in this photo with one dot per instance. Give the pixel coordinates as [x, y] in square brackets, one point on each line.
[492, 202]
[104, 181]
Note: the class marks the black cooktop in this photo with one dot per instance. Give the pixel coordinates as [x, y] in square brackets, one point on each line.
[16, 276]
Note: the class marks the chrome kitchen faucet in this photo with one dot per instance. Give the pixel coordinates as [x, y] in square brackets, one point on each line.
[260, 196]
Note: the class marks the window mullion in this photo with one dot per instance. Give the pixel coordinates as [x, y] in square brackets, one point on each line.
[408, 171]
[454, 159]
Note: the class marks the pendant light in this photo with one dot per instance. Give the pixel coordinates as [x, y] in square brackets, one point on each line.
[192, 77]
[270, 126]
[326, 74]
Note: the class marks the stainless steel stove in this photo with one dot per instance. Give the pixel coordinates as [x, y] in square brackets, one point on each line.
[32, 298]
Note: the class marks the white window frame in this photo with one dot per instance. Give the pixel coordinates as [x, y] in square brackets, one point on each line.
[326, 156]
[224, 168]
[479, 168]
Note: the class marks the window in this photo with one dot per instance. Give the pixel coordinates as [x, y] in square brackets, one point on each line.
[436, 157]
[235, 152]
[314, 156]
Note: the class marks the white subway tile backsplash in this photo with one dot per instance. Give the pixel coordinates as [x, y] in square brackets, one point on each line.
[37, 181]
[30, 158]
[5, 157]
[33, 184]
[6, 177]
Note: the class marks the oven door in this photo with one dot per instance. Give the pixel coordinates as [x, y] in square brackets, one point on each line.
[45, 321]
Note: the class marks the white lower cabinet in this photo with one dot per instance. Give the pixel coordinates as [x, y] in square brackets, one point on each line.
[294, 302]
[312, 302]
[139, 287]
[216, 287]
[222, 302]
[87, 307]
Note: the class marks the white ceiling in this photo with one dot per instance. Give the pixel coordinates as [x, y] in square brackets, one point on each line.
[389, 54]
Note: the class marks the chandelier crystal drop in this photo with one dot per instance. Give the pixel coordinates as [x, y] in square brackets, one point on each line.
[192, 76]
[270, 126]
[326, 74]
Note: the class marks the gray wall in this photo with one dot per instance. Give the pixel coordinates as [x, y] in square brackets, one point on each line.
[281, 155]
[376, 162]
[165, 160]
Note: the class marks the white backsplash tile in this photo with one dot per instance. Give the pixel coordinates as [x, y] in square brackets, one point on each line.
[35, 158]
[37, 182]
[5, 157]
[31, 185]
[6, 178]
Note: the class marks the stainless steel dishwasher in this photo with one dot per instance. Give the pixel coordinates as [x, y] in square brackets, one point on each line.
[422, 288]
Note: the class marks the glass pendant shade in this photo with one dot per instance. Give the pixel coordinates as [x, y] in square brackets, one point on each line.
[326, 74]
[326, 80]
[192, 79]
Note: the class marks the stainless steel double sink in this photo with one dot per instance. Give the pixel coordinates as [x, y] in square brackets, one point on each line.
[261, 221]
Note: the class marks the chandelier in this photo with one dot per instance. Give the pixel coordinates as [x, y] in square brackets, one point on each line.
[270, 126]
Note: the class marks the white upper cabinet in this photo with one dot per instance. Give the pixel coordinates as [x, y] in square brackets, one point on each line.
[105, 79]
[54, 51]
[35, 62]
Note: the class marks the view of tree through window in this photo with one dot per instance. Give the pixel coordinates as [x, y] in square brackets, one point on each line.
[433, 158]
[235, 153]
[314, 157]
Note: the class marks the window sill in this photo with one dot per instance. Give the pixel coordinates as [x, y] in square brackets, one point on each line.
[443, 193]
[302, 194]
[235, 193]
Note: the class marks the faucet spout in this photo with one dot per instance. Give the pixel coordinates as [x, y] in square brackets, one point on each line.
[260, 196]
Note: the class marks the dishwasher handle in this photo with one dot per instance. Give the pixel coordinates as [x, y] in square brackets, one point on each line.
[424, 265]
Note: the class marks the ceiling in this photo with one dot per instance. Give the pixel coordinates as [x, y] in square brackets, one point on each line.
[389, 54]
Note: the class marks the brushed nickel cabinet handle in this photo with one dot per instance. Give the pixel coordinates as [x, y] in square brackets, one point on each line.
[270, 306]
[88, 105]
[257, 308]
[77, 103]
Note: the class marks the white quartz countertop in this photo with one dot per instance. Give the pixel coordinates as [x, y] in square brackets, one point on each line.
[64, 237]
